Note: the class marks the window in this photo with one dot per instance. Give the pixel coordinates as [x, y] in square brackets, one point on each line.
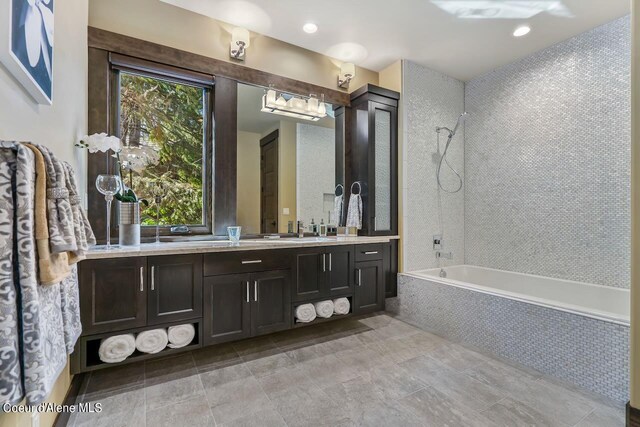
[166, 121]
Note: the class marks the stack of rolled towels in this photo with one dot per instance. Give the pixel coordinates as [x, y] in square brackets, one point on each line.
[306, 313]
[117, 348]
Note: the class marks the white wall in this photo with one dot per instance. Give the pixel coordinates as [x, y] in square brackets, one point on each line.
[57, 126]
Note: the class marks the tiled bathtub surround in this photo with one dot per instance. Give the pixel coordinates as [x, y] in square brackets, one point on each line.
[431, 99]
[592, 354]
[547, 161]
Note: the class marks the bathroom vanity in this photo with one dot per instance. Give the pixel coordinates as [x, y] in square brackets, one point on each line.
[227, 291]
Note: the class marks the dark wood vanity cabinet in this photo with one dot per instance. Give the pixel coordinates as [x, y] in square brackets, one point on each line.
[371, 158]
[370, 287]
[175, 288]
[323, 272]
[228, 313]
[112, 294]
[270, 301]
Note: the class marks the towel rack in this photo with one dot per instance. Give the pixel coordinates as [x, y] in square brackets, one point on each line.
[336, 190]
[359, 187]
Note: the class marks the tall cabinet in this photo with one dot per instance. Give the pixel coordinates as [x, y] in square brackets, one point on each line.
[371, 165]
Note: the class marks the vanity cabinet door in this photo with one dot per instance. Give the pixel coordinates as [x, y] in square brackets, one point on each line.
[309, 269]
[227, 308]
[113, 294]
[270, 301]
[339, 270]
[369, 289]
[175, 288]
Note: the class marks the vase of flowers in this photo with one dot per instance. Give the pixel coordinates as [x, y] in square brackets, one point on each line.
[129, 159]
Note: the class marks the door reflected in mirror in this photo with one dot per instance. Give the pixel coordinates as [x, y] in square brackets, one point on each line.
[286, 167]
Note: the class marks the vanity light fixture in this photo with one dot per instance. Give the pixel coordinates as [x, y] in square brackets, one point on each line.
[522, 31]
[240, 41]
[310, 108]
[347, 73]
[310, 28]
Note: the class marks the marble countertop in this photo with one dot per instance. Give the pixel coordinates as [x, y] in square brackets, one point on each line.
[206, 246]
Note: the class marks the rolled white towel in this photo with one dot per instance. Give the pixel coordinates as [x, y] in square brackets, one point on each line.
[305, 313]
[341, 305]
[324, 308]
[181, 335]
[117, 348]
[152, 341]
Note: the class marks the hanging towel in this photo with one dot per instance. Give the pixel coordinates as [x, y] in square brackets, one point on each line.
[341, 305]
[305, 313]
[338, 202]
[324, 308]
[82, 229]
[117, 348]
[53, 268]
[354, 212]
[60, 217]
[43, 350]
[11, 389]
[70, 304]
[181, 335]
[153, 341]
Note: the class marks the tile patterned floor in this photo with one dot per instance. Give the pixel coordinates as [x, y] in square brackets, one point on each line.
[374, 371]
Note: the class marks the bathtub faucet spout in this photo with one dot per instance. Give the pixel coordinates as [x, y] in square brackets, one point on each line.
[444, 255]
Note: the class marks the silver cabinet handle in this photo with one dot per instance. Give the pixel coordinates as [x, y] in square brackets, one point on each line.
[252, 261]
[324, 262]
[153, 277]
[329, 262]
[371, 253]
[255, 291]
[359, 277]
[141, 279]
[248, 292]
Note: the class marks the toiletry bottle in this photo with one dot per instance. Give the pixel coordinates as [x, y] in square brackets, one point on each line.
[323, 228]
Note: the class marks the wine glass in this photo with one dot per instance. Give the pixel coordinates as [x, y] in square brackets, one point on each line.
[109, 185]
[158, 191]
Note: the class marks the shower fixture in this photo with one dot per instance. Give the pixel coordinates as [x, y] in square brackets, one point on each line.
[443, 158]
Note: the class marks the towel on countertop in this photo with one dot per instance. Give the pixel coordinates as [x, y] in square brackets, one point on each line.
[117, 348]
[153, 341]
[305, 313]
[324, 308]
[341, 305]
[354, 212]
[181, 335]
[61, 232]
[53, 267]
[338, 202]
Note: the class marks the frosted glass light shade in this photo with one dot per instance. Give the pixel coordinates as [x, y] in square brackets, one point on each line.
[240, 34]
[347, 69]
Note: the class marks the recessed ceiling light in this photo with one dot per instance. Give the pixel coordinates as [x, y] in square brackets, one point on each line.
[522, 31]
[310, 28]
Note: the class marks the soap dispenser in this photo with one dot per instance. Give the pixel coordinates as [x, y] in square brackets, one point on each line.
[323, 228]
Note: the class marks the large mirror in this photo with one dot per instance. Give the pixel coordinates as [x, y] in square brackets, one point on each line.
[286, 164]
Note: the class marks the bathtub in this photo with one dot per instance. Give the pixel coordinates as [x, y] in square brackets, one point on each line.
[576, 332]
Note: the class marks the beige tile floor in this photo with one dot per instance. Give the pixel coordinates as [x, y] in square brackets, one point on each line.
[373, 371]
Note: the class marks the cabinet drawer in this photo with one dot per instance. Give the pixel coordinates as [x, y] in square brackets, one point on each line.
[370, 252]
[246, 262]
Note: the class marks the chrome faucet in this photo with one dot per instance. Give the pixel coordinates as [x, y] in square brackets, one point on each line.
[444, 255]
[300, 229]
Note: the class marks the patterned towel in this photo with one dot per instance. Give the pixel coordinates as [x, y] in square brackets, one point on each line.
[82, 228]
[11, 389]
[338, 202]
[61, 232]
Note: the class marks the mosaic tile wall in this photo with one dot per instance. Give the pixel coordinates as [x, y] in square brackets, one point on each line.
[430, 99]
[547, 161]
[589, 353]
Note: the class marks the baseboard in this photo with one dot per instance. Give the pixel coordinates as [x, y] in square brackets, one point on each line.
[62, 419]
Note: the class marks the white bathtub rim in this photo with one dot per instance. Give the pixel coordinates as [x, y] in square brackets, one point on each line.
[568, 308]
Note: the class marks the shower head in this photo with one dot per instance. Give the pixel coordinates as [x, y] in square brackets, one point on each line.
[460, 121]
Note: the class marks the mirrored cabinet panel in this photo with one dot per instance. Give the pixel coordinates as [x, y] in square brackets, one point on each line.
[286, 160]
